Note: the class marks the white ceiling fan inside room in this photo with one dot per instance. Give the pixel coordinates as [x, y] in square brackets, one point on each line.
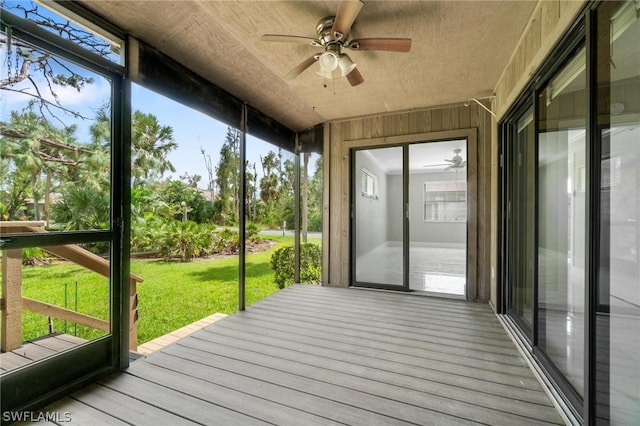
[333, 36]
[454, 163]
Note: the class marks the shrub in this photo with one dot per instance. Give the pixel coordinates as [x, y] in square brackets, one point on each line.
[34, 256]
[282, 262]
[226, 242]
[184, 240]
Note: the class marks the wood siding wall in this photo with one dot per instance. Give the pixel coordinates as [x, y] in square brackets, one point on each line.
[427, 124]
[550, 19]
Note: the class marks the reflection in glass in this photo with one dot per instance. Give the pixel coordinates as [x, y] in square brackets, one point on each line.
[379, 216]
[438, 217]
[64, 303]
[561, 220]
[522, 220]
[618, 304]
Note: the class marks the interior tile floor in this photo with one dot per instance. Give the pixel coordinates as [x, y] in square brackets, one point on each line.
[432, 269]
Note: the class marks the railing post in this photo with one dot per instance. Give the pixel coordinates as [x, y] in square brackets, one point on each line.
[133, 315]
[12, 300]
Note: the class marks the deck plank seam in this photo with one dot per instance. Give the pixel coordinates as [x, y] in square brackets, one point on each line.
[526, 373]
[387, 398]
[389, 384]
[386, 371]
[287, 387]
[408, 351]
[383, 340]
[458, 330]
[394, 319]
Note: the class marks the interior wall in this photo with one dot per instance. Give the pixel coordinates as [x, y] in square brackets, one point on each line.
[430, 233]
[429, 124]
[372, 213]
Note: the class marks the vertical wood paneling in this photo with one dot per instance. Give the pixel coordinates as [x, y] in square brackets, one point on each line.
[369, 132]
[389, 126]
[532, 40]
[366, 128]
[414, 122]
[335, 216]
[377, 127]
[436, 120]
[345, 213]
[326, 200]
[450, 119]
[547, 24]
[355, 129]
[426, 124]
[550, 14]
[463, 117]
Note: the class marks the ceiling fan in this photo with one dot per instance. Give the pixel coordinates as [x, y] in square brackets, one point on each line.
[333, 37]
[456, 162]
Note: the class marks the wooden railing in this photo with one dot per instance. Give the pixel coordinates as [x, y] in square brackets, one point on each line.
[12, 302]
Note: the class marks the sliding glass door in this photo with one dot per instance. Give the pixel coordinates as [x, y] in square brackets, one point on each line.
[570, 179]
[409, 221]
[521, 160]
[380, 221]
[617, 305]
[561, 220]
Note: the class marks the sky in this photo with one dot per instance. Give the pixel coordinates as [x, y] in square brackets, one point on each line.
[193, 131]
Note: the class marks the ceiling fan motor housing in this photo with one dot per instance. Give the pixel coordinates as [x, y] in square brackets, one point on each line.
[324, 28]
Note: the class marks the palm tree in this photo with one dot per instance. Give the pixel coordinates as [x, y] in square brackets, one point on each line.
[36, 148]
[150, 145]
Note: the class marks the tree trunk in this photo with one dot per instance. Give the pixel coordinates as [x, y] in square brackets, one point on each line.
[304, 183]
[47, 198]
[36, 198]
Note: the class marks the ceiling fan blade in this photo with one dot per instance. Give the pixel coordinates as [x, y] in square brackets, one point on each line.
[347, 13]
[290, 38]
[435, 165]
[355, 77]
[386, 44]
[301, 67]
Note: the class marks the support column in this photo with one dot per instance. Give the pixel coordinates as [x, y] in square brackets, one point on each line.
[242, 194]
[11, 300]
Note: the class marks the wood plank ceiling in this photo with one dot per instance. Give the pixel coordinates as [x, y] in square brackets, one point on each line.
[459, 50]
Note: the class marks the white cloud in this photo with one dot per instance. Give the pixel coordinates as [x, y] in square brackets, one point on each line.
[90, 96]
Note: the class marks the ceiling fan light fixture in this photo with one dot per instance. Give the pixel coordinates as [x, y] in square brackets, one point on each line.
[325, 74]
[346, 65]
[328, 62]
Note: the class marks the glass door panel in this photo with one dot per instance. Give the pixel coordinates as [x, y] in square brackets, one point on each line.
[561, 220]
[438, 217]
[521, 162]
[61, 197]
[378, 200]
[617, 335]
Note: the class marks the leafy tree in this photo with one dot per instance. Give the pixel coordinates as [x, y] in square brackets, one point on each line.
[315, 188]
[82, 207]
[37, 151]
[150, 145]
[36, 74]
[227, 177]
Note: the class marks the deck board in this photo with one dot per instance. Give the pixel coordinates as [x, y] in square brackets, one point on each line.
[315, 355]
[37, 349]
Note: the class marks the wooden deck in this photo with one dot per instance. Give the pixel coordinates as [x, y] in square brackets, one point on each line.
[312, 355]
[169, 338]
[37, 349]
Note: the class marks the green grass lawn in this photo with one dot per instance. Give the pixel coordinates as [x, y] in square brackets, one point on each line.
[172, 295]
